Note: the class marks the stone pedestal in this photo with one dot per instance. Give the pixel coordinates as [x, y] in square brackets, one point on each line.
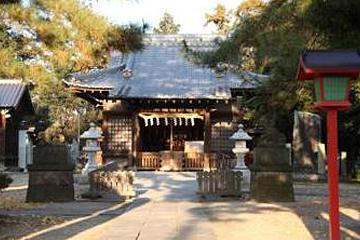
[271, 174]
[245, 172]
[51, 175]
[91, 164]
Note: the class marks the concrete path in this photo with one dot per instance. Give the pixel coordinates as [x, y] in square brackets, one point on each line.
[167, 208]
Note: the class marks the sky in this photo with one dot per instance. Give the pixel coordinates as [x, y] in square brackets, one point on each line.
[190, 14]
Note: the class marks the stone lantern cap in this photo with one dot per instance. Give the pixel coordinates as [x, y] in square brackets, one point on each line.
[92, 133]
[240, 134]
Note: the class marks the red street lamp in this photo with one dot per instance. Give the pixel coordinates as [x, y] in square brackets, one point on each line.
[331, 72]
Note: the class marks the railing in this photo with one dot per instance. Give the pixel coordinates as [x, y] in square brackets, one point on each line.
[219, 183]
[193, 161]
[190, 161]
[149, 161]
[154, 161]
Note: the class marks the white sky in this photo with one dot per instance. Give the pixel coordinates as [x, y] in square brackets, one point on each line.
[190, 14]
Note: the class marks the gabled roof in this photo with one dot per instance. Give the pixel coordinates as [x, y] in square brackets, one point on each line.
[161, 70]
[11, 93]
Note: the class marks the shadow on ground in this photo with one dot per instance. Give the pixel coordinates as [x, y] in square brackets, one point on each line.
[179, 190]
[88, 220]
[312, 207]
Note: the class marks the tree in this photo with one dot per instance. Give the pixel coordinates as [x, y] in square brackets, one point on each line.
[220, 18]
[167, 25]
[43, 44]
[269, 37]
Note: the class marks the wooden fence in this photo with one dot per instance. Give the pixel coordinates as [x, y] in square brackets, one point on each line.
[193, 161]
[219, 183]
[156, 161]
[189, 161]
[149, 161]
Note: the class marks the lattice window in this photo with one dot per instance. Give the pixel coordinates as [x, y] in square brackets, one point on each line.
[120, 134]
[220, 133]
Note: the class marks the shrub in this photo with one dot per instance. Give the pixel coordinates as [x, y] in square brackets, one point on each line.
[5, 181]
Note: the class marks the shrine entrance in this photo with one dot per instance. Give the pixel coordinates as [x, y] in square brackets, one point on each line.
[171, 141]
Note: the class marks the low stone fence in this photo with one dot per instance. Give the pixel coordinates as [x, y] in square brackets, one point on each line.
[219, 183]
[119, 182]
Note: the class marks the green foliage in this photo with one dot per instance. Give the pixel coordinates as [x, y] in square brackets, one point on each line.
[220, 17]
[5, 181]
[70, 38]
[167, 25]
[9, 1]
[269, 38]
[337, 21]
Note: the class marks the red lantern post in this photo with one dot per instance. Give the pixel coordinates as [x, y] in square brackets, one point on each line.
[332, 72]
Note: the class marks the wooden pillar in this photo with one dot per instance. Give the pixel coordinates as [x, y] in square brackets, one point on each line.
[171, 136]
[135, 140]
[2, 137]
[105, 141]
[207, 140]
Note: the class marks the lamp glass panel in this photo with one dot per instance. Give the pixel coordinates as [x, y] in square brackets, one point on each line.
[317, 90]
[335, 88]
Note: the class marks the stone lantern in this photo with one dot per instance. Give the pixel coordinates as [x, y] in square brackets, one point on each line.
[92, 146]
[240, 150]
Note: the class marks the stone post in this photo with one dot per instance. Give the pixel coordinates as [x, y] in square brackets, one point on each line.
[51, 175]
[271, 173]
[321, 159]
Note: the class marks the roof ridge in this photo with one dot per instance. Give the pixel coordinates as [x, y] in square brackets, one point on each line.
[177, 39]
[186, 34]
[11, 81]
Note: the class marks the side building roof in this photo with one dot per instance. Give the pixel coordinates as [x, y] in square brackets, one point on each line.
[161, 70]
[12, 92]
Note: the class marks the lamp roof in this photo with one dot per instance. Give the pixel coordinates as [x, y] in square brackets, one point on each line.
[91, 133]
[240, 134]
[321, 62]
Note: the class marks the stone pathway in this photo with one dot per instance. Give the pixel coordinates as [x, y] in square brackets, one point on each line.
[167, 208]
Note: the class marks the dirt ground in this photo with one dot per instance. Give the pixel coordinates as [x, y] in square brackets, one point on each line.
[12, 227]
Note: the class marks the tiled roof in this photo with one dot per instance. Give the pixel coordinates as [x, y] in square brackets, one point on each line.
[162, 71]
[11, 92]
